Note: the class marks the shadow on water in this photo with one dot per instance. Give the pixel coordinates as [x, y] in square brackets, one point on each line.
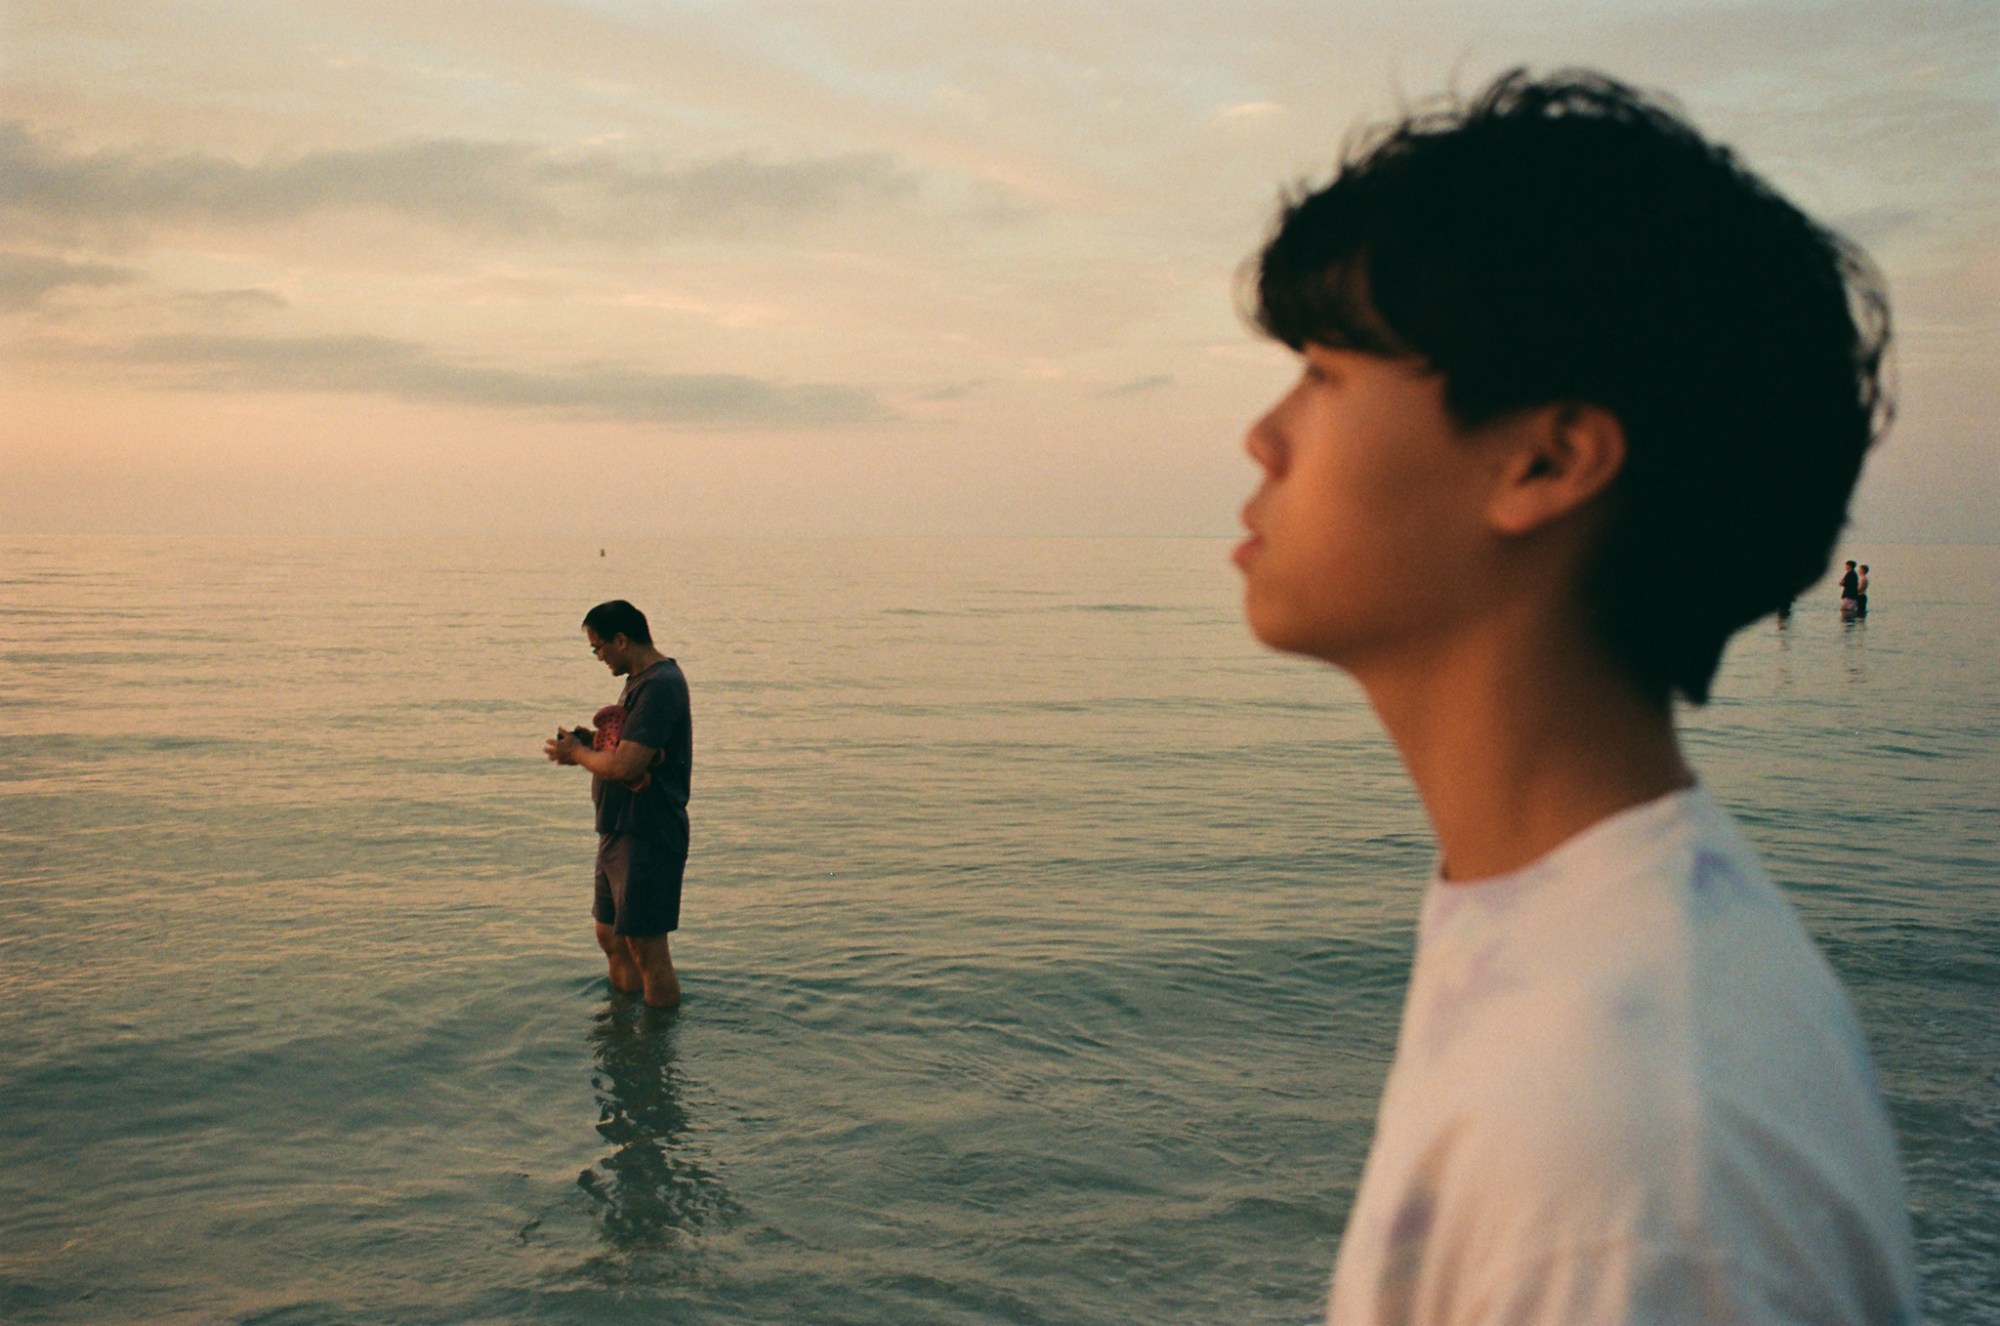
[652, 1194]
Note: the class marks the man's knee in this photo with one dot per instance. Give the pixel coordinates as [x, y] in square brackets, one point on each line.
[649, 950]
[610, 941]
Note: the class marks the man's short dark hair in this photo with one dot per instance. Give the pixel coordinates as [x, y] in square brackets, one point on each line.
[1573, 240]
[619, 618]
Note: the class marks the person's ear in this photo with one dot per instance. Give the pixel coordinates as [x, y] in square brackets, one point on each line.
[1562, 458]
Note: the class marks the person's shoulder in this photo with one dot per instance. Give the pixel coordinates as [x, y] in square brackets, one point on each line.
[1581, 1018]
[1673, 874]
[660, 689]
[667, 672]
[1634, 1051]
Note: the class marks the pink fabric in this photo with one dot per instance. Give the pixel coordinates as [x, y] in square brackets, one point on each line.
[610, 723]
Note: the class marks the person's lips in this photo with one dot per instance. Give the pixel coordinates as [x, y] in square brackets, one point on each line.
[1246, 552]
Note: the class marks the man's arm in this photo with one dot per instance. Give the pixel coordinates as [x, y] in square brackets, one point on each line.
[621, 764]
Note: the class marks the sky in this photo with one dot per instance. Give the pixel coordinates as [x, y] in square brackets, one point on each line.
[854, 267]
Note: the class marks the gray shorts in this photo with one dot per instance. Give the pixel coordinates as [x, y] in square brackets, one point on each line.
[639, 883]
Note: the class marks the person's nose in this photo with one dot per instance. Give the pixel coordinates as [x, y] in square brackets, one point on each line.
[1266, 444]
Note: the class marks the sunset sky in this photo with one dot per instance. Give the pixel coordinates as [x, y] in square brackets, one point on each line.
[850, 268]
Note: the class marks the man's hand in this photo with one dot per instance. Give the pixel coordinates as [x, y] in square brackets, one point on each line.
[563, 747]
[628, 762]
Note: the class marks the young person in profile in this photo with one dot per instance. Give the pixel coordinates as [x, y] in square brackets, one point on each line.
[1561, 356]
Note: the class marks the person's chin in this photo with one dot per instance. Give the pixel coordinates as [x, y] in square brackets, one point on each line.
[1271, 626]
[1286, 632]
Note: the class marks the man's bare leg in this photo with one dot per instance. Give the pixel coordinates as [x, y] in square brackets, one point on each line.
[625, 974]
[648, 953]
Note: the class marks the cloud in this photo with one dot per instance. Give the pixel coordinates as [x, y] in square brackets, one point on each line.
[231, 303]
[508, 188]
[379, 365]
[26, 278]
[1248, 110]
[1140, 386]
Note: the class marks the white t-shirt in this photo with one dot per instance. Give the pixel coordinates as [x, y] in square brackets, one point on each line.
[1627, 1089]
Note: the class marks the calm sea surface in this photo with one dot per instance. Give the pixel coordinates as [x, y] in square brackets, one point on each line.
[1044, 938]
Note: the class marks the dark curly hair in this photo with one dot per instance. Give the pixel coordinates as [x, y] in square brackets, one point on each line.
[1571, 239]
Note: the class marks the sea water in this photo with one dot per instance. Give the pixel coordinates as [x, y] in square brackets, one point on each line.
[1043, 943]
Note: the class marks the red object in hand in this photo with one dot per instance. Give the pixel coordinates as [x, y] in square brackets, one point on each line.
[610, 722]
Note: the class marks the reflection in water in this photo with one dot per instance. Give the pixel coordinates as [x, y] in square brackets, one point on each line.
[1784, 648]
[652, 1193]
[1855, 629]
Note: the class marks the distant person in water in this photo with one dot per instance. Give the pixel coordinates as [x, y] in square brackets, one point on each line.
[639, 755]
[1560, 357]
[1850, 591]
[1861, 591]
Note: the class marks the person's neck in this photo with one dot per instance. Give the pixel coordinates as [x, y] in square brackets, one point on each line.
[1517, 747]
[645, 658]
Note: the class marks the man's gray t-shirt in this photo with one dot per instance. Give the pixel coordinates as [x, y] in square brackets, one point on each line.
[656, 714]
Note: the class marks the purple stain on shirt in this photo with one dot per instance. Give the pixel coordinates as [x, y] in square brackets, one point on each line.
[1413, 1220]
[1715, 883]
[1635, 1006]
[1480, 976]
[1403, 1259]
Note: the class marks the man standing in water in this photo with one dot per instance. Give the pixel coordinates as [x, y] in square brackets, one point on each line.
[1850, 590]
[639, 759]
[1560, 355]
